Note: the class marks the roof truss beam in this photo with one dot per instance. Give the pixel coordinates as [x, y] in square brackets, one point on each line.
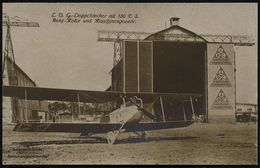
[238, 40]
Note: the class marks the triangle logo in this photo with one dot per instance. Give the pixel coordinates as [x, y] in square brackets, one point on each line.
[220, 57]
[221, 101]
[221, 79]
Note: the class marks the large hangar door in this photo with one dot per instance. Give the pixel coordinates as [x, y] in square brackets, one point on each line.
[145, 66]
[179, 67]
[137, 63]
[130, 66]
[221, 81]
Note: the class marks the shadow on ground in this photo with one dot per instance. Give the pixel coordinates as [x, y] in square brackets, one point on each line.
[151, 139]
[98, 140]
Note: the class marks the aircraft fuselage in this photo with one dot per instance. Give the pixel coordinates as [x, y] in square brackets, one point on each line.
[126, 114]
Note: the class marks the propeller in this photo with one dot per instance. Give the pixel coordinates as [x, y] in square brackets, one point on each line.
[146, 113]
[149, 115]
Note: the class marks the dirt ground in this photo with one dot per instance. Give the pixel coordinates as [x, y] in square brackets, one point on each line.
[197, 144]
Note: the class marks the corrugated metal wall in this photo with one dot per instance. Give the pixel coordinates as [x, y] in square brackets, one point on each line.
[16, 77]
[117, 77]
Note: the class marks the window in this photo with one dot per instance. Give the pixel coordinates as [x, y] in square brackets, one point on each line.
[249, 109]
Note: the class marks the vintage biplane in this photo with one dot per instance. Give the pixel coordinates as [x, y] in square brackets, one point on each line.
[127, 118]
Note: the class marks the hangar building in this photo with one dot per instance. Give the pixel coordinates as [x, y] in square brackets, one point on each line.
[19, 110]
[177, 60]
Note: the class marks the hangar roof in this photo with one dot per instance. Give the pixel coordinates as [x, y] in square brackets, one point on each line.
[176, 33]
[19, 69]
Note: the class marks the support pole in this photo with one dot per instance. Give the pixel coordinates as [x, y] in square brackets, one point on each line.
[79, 105]
[26, 108]
[114, 60]
[10, 49]
[6, 51]
[21, 115]
[184, 113]
[102, 107]
[72, 113]
[161, 101]
[192, 108]
[138, 68]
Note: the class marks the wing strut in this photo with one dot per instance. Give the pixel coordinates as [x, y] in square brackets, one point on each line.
[161, 101]
[192, 108]
[72, 112]
[79, 104]
[152, 103]
[184, 113]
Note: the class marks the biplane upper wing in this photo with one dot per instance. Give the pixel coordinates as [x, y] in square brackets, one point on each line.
[87, 96]
[39, 93]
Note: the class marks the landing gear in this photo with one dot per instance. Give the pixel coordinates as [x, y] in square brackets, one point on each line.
[111, 137]
[144, 135]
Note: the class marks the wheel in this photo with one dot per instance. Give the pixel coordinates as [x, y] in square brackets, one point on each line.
[239, 119]
[145, 135]
[111, 138]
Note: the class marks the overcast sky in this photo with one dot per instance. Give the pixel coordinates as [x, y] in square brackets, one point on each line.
[69, 55]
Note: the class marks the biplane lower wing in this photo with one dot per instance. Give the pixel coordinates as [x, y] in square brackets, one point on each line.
[97, 127]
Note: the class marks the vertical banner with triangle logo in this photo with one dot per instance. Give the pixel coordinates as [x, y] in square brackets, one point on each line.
[220, 57]
[221, 93]
[221, 79]
[221, 101]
